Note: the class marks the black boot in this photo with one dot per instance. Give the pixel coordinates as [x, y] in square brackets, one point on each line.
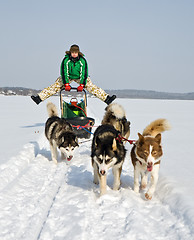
[36, 99]
[110, 99]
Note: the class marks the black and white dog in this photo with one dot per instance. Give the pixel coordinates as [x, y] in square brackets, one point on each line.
[107, 152]
[60, 135]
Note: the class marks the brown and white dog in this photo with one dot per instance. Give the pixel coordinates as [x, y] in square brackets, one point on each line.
[146, 155]
[115, 116]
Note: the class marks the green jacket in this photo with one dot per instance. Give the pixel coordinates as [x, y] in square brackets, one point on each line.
[74, 69]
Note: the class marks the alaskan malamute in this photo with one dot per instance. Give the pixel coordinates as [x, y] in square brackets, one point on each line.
[59, 134]
[107, 151]
[115, 116]
[146, 155]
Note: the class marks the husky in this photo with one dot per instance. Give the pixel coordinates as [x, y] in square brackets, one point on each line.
[146, 155]
[60, 135]
[115, 116]
[107, 151]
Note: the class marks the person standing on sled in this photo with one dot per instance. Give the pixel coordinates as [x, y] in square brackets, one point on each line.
[74, 67]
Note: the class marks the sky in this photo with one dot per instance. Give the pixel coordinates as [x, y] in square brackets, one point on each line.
[144, 45]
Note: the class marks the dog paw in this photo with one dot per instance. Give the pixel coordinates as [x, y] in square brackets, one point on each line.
[116, 185]
[115, 188]
[148, 196]
[95, 182]
[136, 189]
[102, 192]
[55, 161]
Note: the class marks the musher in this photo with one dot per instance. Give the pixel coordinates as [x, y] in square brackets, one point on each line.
[74, 67]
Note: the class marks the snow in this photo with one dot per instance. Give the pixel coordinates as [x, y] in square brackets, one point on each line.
[40, 200]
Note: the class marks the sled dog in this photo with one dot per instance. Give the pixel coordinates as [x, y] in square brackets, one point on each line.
[115, 116]
[107, 151]
[146, 155]
[60, 135]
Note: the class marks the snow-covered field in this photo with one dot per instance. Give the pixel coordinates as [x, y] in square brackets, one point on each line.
[39, 200]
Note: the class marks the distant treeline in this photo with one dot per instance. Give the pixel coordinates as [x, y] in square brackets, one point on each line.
[18, 91]
[147, 94]
[128, 93]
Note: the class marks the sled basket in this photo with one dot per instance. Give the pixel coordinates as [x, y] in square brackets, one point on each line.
[76, 114]
[70, 111]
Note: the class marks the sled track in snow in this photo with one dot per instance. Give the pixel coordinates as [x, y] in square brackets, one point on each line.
[16, 167]
[32, 186]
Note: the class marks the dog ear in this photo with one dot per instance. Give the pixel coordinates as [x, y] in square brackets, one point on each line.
[158, 138]
[141, 139]
[114, 145]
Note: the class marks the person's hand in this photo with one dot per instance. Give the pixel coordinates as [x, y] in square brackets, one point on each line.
[80, 88]
[67, 87]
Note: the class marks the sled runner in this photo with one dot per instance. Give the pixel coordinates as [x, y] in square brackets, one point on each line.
[76, 113]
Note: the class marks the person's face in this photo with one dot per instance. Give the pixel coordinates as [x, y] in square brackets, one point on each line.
[74, 54]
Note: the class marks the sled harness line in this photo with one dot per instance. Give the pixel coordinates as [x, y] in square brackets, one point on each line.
[120, 139]
[85, 141]
[83, 127]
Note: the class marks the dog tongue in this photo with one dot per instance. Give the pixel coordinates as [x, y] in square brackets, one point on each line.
[69, 158]
[149, 168]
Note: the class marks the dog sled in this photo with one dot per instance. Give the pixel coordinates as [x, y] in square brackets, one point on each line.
[75, 112]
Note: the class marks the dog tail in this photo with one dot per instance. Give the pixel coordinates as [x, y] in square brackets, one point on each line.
[117, 110]
[155, 127]
[52, 109]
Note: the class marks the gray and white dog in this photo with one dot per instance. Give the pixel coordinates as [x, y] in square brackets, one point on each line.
[115, 115]
[60, 135]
